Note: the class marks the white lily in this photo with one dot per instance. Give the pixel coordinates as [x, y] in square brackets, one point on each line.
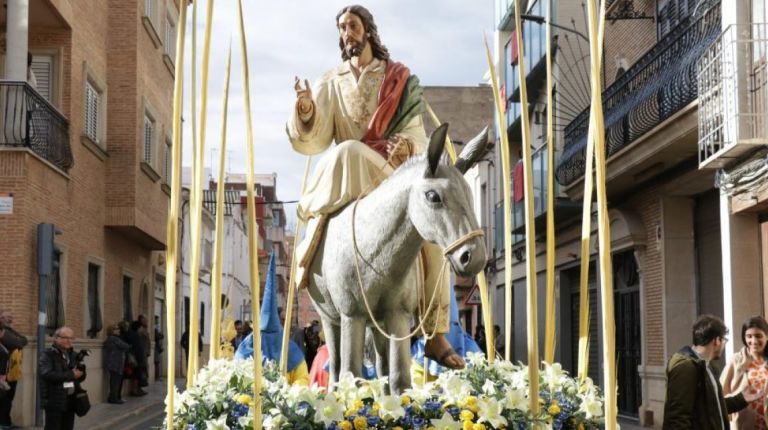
[390, 406]
[219, 423]
[329, 410]
[490, 412]
[446, 422]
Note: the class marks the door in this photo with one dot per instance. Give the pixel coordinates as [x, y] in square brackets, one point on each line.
[628, 336]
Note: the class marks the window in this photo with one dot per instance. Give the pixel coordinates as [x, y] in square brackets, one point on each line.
[127, 304]
[149, 133]
[94, 300]
[276, 217]
[92, 108]
[170, 38]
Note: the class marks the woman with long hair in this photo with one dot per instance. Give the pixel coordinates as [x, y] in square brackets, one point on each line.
[747, 370]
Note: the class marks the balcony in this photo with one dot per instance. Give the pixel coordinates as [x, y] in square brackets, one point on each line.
[733, 101]
[658, 86]
[30, 121]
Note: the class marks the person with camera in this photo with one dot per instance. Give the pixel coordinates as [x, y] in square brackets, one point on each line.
[61, 371]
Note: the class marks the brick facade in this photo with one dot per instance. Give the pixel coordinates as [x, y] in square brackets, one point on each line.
[110, 210]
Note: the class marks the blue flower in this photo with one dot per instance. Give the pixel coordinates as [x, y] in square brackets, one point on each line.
[373, 421]
[417, 422]
[432, 405]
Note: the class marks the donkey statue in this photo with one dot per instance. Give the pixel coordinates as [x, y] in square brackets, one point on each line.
[423, 200]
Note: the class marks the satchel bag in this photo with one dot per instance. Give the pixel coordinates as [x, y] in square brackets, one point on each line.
[82, 404]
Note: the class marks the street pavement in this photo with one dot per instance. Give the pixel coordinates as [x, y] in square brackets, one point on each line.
[135, 413]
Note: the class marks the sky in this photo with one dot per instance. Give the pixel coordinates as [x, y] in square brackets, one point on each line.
[440, 41]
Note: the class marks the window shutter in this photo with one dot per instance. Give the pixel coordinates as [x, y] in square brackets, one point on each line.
[148, 126]
[42, 67]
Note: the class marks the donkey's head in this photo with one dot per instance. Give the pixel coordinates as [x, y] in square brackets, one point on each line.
[440, 203]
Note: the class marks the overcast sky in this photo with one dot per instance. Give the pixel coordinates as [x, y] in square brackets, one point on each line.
[440, 41]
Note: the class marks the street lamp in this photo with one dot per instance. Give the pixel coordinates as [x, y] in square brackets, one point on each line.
[541, 20]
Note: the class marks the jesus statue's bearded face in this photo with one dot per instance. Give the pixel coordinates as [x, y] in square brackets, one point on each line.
[352, 34]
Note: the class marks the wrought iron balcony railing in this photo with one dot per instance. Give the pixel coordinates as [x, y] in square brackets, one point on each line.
[29, 120]
[658, 85]
[733, 95]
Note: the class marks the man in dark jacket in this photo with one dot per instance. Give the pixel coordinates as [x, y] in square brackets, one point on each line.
[61, 378]
[14, 342]
[694, 395]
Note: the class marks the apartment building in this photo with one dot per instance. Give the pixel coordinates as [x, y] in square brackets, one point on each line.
[84, 137]
[684, 102]
[271, 221]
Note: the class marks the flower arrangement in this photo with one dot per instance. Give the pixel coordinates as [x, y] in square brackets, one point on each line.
[481, 396]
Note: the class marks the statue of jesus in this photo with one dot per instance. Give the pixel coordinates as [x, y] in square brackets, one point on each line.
[371, 107]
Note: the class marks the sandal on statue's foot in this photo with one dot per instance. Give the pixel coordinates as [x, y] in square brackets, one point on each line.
[448, 357]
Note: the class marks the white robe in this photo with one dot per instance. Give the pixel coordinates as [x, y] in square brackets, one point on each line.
[343, 107]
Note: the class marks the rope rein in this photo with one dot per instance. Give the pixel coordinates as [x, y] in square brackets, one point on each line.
[438, 285]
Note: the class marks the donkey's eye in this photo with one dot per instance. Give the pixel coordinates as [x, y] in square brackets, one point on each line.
[432, 196]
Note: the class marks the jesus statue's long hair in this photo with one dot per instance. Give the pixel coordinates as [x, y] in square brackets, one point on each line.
[379, 50]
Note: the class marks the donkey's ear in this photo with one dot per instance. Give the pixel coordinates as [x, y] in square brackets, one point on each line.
[436, 147]
[472, 152]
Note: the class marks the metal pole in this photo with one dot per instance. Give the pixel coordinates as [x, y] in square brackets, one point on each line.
[41, 320]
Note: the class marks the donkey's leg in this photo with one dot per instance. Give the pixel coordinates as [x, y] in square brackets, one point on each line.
[381, 344]
[399, 353]
[332, 334]
[352, 343]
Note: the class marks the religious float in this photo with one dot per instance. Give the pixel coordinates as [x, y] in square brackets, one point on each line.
[472, 392]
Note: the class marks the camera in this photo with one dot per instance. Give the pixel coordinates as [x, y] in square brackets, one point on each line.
[80, 357]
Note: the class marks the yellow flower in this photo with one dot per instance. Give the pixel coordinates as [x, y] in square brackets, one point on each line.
[467, 425]
[375, 409]
[466, 415]
[405, 400]
[470, 400]
[350, 412]
[478, 426]
[357, 404]
[554, 409]
[244, 399]
[345, 425]
[361, 423]
[397, 428]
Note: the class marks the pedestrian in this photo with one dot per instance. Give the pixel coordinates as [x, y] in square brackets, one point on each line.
[498, 340]
[114, 362]
[240, 336]
[749, 368]
[141, 325]
[159, 337]
[185, 345]
[61, 376]
[480, 338]
[4, 357]
[694, 396]
[14, 342]
[136, 357]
